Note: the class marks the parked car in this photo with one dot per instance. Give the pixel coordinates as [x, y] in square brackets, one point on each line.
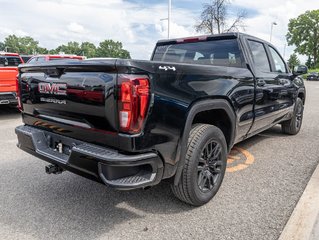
[26, 57]
[45, 58]
[8, 77]
[313, 76]
[175, 117]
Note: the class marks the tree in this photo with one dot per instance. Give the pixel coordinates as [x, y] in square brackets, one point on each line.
[110, 48]
[215, 18]
[27, 45]
[2, 46]
[309, 62]
[23, 45]
[88, 49]
[70, 48]
[293, 61]
[303, 32]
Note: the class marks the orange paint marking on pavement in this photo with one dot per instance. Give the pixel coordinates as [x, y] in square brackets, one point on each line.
[235, 156]
[232, 159]
[237, 168]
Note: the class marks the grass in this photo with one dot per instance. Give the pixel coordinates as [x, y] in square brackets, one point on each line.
[313, 70]
[309, 71]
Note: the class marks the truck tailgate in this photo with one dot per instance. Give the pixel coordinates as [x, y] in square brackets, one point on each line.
[8, 79]
[72, 99]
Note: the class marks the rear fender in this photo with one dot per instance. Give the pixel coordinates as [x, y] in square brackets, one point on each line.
[205, 105]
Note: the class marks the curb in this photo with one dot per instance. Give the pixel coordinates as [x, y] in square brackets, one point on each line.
[304, 221]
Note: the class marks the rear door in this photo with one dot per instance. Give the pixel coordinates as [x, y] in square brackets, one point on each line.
[286, 89]
[272, 97]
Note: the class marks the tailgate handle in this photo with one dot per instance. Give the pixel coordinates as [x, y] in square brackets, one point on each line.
[54, 72]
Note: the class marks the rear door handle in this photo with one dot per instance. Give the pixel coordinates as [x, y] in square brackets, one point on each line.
[261, 83]
[284, 82]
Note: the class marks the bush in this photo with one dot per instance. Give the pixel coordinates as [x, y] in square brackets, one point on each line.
[309, 71]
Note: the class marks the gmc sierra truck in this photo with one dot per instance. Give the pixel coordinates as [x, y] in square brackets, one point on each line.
[131, 124]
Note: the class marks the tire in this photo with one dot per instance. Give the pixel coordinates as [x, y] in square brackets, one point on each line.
[205, 165]
[293, 125]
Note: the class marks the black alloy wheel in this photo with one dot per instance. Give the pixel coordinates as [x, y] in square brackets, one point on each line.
[209, 166]
[204, 167]
[293, 125]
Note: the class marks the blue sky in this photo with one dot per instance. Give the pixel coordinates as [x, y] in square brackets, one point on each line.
[136, 23]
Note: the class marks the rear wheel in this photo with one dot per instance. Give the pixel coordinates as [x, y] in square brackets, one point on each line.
[205, 165]
[293, 125]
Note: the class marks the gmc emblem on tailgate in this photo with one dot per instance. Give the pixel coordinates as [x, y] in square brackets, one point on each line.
[52, 88]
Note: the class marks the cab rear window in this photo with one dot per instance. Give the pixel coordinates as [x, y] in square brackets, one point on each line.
[9, 61]
[224, 52]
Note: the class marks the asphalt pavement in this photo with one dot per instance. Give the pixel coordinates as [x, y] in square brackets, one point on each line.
[255, 201]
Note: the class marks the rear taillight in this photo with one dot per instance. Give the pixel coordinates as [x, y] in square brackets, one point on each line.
[133, 102]
[18, 93]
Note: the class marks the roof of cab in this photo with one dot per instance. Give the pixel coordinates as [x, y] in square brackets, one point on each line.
[59, 56]
[205, 37]
[8, 54]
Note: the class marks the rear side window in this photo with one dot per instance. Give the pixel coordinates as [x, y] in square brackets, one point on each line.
[25, 58]
[259, 55]
[33, 60]
[9, 61]
[41, 59]
[279, 63]
[215, 52]
[60, 58]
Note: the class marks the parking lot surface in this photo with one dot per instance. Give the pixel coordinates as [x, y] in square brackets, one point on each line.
[266, 175]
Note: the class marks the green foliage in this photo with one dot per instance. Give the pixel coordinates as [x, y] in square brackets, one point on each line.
[27, 45]
[70, 48]
[2, 46]
[303, 32]
[293, 61]
[107, 48]
[309, 63]
[309, 71]
[88, 49]
[110, 48]
[23, 45]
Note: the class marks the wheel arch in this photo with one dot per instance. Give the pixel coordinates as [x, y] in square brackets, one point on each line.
[302, 96]
[208, 112]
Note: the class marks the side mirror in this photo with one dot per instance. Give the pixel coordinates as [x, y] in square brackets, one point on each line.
[300, 70]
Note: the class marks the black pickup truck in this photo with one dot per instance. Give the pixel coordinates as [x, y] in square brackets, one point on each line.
[131, 124]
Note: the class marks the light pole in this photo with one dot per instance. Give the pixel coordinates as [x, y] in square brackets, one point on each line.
[168, 18]
[272, 25]
[284, 50]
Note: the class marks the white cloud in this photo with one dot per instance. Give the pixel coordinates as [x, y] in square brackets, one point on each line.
[136, 25]
[54, 22]
[75, 27]
[7, 31]
[275, 11]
